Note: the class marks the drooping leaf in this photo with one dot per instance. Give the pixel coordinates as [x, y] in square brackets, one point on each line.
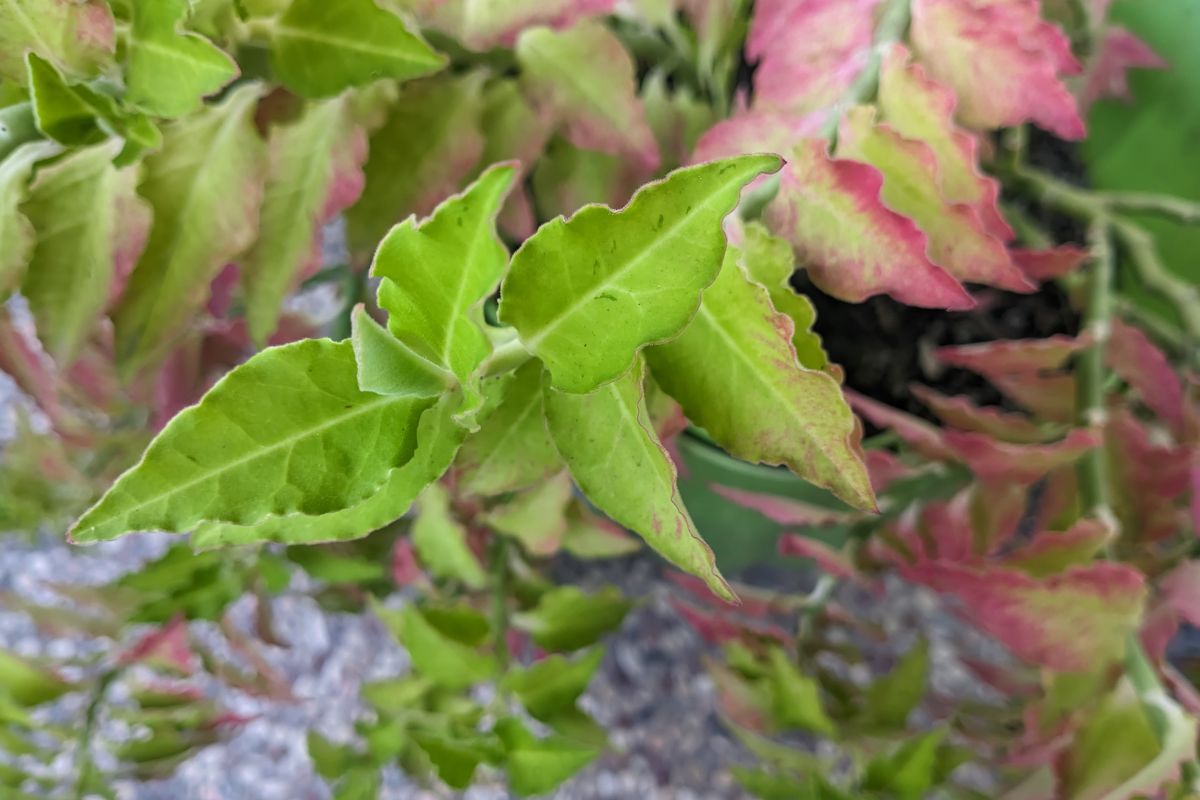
[1119, 751]
[72, 205]
[810, 52]
[210, 168]
[78, 114]
[436, 274]
[288, 431]
[319, 48]
[926, 439]
[537, 517]
[584, 78]
[454, 757]
[1118, 54]
[315, 171]
[918, 107]
[852, 245]
[795, 545]
[435, 655]
[1052, 552]
[536, 766]
[438, 439]
[16, 231]
[610, 446]
[769, 260]
[1073, 621]
[1054, 262]
[889, 700]
[782, 413]
[1002, 61]
[78, 38]
[590, 535]
[567, 619]
[795, 697]
[429, 142]
[27, 683]
[512, 449]
[1002, 462]
[482, 25]
[170, 71]
[1140, 363]
[785, 510]
[387, 366]
[958, 241]
[636, 273]
[961, 412]
[1012, 356]
[441, 541]
[551, 686]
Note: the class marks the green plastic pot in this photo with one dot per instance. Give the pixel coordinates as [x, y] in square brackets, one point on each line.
[739, 536]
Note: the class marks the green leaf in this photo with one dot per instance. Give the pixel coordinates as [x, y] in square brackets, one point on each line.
[889, 700]
[460, 622]
[210, 168]
[772, 786]
[796, 698]
[512, 448]
[387, 366]
[589, 535]
[441, 540]
[428, 145]
[436, 275]
[16, 231]
[28, 684]
[586, 78]
[333, 568]
[288, 431]
[319, 48]
[567, 619]
[438, 439]
[635, 274]
[911, 771]
[72, 206]
[436, 656]
[79, 114]
[170, 71]
[1128, 746]
[536, 766]
[551, 686]
[537, 516]
[770, 262]
[76, 37]
[455, 757]
[609, 443]
[779, 412]
[312, 161]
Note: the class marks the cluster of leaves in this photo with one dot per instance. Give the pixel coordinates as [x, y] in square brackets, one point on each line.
[167, 172]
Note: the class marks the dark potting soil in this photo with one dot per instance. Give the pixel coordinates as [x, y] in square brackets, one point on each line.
[885, 346]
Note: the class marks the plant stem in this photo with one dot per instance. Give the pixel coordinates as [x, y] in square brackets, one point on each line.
[1165, 205]
[498, 568]
[1093, 473]
[1135, 241]
[506, 357]
[84, 743]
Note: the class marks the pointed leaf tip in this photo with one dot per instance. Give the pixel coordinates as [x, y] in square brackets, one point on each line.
[636, 273]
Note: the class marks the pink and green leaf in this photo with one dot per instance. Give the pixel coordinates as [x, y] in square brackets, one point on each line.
[958, 240]
[851, 243]
[1073, 621]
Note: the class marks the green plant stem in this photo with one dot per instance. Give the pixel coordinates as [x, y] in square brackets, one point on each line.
[893, 24]
[1093, 473]
[1164, 205]
[84, 763]
[498, 567]
[506, 357]
[1135, 241]
[816, 600]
